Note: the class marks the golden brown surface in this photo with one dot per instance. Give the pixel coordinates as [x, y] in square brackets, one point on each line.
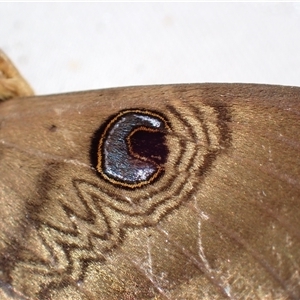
[12, 84]
[222, 223]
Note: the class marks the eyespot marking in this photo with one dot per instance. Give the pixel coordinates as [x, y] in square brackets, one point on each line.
[130, 149]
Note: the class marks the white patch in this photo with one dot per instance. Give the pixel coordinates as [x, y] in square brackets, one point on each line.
[154, 122]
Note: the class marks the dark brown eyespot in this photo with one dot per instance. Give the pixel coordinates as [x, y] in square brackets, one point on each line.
[130, 150]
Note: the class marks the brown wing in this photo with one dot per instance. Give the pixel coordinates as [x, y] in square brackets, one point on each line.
[164, 192]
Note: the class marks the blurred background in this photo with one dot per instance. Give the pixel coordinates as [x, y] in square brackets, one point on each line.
[64, 47]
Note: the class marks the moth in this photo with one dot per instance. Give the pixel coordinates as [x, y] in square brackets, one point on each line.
[171, 192]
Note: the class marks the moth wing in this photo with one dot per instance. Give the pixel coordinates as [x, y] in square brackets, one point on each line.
[221, 223]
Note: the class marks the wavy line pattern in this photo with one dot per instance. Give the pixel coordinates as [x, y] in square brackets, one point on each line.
[96, 220]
